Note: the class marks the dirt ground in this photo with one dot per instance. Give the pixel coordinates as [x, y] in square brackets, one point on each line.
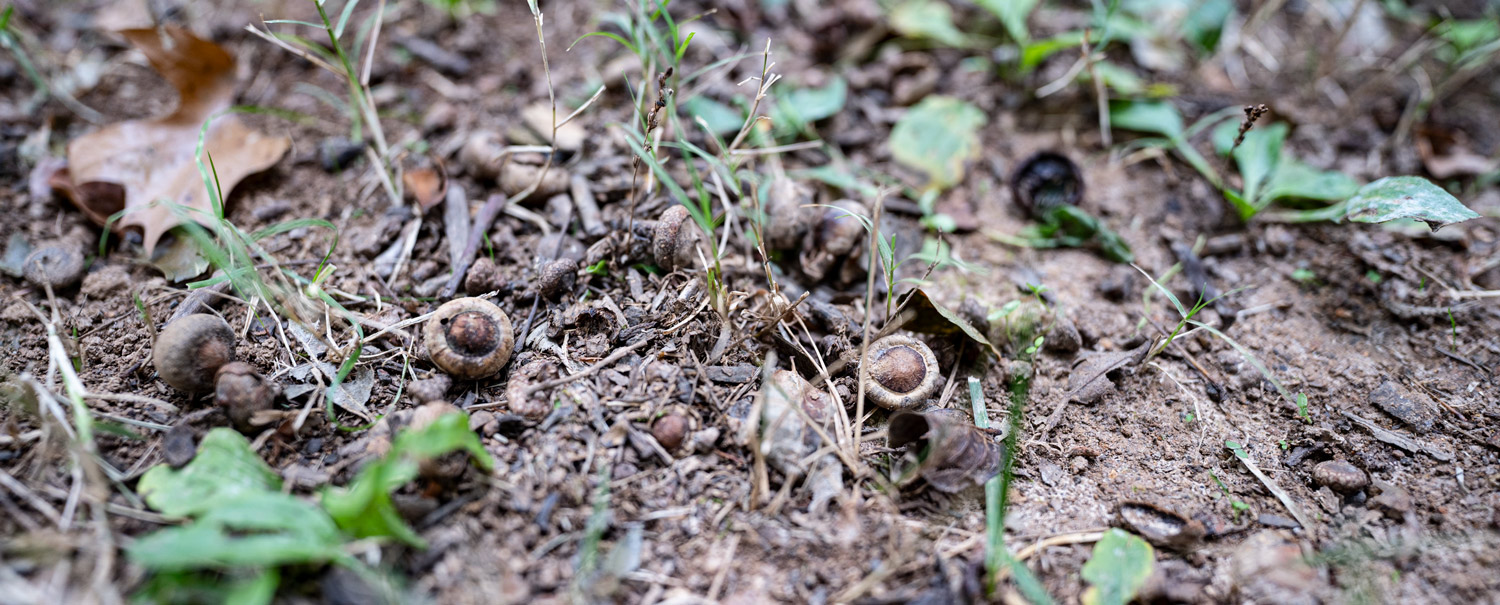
[1392, 334]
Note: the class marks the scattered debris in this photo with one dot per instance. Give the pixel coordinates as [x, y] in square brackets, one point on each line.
[1159, 525]
[953, 454]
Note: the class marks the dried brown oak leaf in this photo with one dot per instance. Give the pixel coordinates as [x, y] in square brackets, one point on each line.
[130, 164]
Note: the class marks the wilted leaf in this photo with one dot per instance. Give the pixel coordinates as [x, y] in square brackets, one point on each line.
[225, 469]
[428, 185]
[924, 315]
[257, 528]
[179, 258]
[721, 119]
[1120, 565]
[954, 453]
[1413, 197]
[131, 164]
[938, 136]
[365, 509]
[929, 19]
[803, 106]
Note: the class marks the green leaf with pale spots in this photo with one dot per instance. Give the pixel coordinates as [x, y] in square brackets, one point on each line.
[1409, 197]
[938, 136]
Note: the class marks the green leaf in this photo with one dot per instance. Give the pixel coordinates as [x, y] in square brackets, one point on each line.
[1297, 180]
[928, 19]
[1012, 14]
[721, 119]
[225, 469]
[1413, 197]
[1034, 53]
[1257, 157]
[938, 136]
[802, 106]
[1118, 568]
[1157, 117]
[255, 529]
[365, 509]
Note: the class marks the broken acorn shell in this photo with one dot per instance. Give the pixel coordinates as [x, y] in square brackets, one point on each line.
[190, 350]
[674, 242]
[534, 406]
[786, 438]
[903, 372]
[835, 238]
[1159, 525]
[788, 214]
[55, 264]
[469, 338]
[1046, 180]
[955, 454]
[242, 393]
[1340, 476]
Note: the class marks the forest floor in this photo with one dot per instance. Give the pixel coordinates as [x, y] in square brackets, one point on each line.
[633, 453]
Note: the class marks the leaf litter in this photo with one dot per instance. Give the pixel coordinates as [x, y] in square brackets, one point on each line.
[145, 167]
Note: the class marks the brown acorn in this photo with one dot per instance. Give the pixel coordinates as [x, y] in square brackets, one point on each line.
[191, 349]
[469, 338]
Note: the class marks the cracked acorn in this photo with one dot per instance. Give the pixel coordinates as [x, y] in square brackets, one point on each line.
[469, 338]
[243, 393]
[191, 349]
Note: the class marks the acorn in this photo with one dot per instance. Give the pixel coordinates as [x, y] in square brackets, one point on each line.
[190, 350]
[669, 431]
[483, 277]
[1046, 180]
[788, 214]
[469, 338]
[674, 242]
[55, 264]
[557, 277]
[903, 372]
[1340, 476]
[242, 392]
[483, 154]
[836, 238]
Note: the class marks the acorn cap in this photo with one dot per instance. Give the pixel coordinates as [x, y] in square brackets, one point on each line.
[903, 372]
[469, 338]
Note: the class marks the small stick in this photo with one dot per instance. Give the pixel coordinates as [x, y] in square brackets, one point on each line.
[482, 222]
[591, 370]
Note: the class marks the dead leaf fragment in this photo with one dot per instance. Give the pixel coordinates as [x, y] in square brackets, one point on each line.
[131, 164]
[954, 453]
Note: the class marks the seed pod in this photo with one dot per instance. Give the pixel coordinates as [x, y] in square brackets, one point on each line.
[469, 338]
[190, 351]
[674, 243]
[1340, 476]
[955, 454]
[1045, 181]
[903, 372]
[242, 393]
[56, 264]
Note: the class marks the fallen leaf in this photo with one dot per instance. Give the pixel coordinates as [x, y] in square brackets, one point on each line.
[1118, 568]
[954, 453]
[428, 184]
[131, 164]
[938, 136]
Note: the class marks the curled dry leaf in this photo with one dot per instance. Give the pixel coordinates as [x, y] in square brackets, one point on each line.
[426, 184]
[955, 454]
[129, 165]
[1159, 525]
